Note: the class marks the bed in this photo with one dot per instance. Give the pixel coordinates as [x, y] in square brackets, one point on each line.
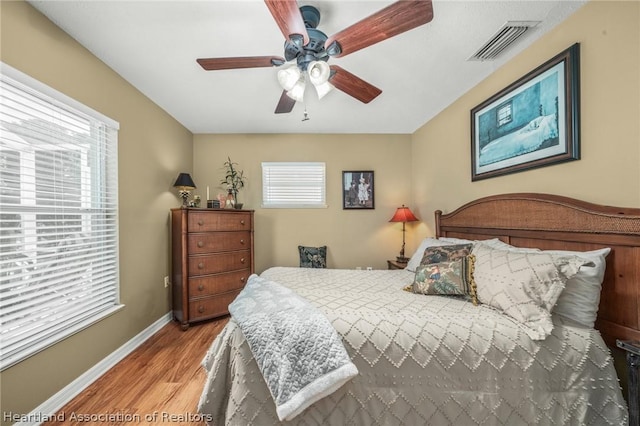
[442, 360]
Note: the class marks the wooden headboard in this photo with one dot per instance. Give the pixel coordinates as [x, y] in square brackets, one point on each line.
[553, 222]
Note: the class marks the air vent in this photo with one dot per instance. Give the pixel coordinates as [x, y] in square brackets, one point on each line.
[505, 37]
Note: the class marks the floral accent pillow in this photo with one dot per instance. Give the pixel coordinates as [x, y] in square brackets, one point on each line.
[417, 256]
[524, 285]
[448, 253]
[450, 278]
[313, 257]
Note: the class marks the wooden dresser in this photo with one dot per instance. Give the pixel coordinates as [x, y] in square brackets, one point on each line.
[212, 258]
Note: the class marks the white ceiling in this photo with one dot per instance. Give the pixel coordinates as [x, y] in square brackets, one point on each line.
[154, 45]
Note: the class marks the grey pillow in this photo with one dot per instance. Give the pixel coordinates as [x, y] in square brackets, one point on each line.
[313, 257]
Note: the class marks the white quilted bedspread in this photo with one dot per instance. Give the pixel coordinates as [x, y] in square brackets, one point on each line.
[423, 360]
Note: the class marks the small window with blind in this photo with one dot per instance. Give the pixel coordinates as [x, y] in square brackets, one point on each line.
[504, 114]
[58, 216]
[293, 185]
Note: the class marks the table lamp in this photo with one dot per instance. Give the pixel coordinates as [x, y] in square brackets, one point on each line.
[185, 184]
[404, 215]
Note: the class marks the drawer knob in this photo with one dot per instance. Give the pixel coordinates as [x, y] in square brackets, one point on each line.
[242, 279]
[200, 309]
[242, 222]
[242, 242]
[200, 287]
[242, 260]
[200, 265]
[201, 222]
[200, 244]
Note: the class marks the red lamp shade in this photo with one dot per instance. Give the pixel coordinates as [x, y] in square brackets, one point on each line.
[403, 214]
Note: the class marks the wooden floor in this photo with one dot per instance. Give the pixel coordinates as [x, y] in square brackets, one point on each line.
[160, 382]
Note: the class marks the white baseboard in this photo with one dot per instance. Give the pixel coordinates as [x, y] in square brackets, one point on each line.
[60, 399]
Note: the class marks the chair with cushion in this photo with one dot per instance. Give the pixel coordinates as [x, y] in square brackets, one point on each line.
[313, 257]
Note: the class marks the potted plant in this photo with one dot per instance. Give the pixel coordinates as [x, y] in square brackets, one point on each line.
[234, 180]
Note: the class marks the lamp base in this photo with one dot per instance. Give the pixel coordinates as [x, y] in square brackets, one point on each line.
[402, 259]
[185, 198]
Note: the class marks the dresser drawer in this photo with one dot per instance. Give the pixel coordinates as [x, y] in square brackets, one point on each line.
[210, 307]
[219, 241]
[215, 284]
[219, 262]
[219, 221]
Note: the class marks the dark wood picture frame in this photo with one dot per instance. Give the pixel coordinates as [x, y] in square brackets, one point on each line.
[531, 123]
[358, 190]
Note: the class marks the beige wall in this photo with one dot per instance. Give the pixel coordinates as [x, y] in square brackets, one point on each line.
[609, 170]
[354, 237]
[153, 148]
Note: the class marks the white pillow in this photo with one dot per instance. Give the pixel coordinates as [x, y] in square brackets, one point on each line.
[415, 260]
[456, 240]
[525, 285]
[494, 242]
[580, 298]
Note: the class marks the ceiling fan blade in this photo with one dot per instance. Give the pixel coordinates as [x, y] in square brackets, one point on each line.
[394, 19]
[353, 85]
[285, 104]
[288, 17]
[211, 64]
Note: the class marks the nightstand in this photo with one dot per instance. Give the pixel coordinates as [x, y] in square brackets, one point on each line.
[394, 264]
[633, 362]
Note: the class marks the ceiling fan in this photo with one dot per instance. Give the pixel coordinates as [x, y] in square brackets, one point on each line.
[311, 48]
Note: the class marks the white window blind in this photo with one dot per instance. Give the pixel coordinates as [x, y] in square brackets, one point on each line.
[58, 212]
[293, 185]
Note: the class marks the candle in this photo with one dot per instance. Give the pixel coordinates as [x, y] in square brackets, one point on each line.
[208, 193]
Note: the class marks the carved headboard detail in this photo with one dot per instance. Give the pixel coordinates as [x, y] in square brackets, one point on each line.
[554, 222]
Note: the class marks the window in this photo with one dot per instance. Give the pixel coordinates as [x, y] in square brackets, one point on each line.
[58, 216]
[504, 114]
[293, 185]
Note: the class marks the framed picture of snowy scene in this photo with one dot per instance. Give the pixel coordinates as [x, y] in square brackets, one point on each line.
[533, 122]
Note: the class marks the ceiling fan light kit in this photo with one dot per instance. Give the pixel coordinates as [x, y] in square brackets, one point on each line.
[311, 48]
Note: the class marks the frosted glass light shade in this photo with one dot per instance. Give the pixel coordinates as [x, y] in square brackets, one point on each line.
[297, 91]
[318, 72]
[323, 89]
[288, 77]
